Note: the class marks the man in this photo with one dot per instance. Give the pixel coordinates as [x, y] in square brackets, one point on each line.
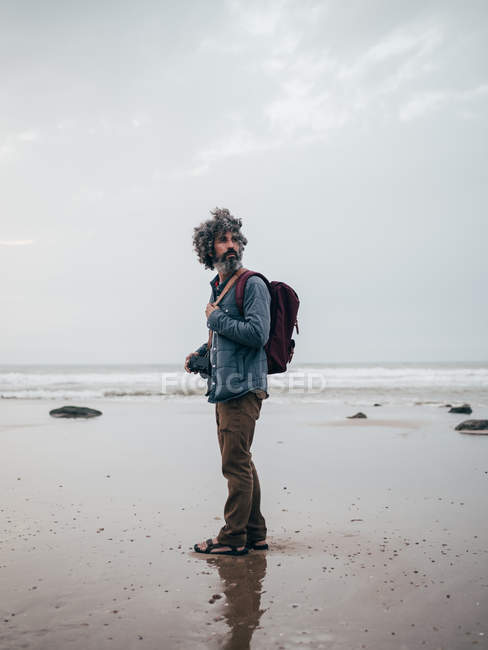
[237, 383]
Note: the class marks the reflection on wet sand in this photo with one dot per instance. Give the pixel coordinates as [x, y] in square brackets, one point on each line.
[242, 580]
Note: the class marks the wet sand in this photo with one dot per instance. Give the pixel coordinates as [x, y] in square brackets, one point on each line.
[378, 530]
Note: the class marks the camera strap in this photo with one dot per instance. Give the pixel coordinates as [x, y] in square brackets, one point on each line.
[228, 286]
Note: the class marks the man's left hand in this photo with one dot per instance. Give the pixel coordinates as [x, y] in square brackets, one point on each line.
[210, 308]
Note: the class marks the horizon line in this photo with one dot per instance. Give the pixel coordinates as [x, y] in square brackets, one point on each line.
[174, 363]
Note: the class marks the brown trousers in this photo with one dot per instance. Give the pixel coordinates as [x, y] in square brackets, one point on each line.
[236, 419]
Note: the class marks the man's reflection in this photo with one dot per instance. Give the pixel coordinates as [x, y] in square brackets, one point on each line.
[242, 580]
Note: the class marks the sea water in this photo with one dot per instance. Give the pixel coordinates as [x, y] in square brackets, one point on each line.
[385, 383]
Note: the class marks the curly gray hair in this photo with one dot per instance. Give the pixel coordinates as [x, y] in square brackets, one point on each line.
[204, 234]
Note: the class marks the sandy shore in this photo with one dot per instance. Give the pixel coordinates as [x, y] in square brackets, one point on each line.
[378, 529]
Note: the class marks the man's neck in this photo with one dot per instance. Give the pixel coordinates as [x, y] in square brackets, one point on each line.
[223, 277]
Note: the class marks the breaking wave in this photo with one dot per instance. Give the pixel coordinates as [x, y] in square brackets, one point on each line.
[415, 383]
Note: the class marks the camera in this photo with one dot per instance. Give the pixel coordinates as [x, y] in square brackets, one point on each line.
[200, 363]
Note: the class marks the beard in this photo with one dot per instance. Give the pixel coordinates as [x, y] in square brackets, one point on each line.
[227, 265]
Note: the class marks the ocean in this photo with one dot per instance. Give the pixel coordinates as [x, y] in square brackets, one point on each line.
[385, 383]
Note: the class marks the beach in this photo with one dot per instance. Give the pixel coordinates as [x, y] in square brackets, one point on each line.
[377, 528]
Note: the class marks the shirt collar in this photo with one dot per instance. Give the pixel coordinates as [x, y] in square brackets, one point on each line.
[216, 284]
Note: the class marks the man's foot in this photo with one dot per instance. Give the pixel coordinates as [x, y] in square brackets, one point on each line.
[203, 547]
[261, 545]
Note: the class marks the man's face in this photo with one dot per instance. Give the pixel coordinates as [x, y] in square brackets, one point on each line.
[226, 251]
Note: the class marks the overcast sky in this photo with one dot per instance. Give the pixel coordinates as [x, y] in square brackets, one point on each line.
[350, 137]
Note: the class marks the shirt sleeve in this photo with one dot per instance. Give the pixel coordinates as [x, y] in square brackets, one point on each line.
[202, 349]
[253, 331]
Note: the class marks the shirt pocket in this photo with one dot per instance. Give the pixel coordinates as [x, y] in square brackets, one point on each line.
[229, 306]
[232, 311]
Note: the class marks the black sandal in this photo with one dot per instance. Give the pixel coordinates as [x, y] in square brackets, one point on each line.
[257, 546]
[210, 545]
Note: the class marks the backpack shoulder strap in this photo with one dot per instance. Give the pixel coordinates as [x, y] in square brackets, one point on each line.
[241, 285]
[227, 287]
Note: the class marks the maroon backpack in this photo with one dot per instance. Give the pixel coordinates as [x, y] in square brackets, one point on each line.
[284, 309]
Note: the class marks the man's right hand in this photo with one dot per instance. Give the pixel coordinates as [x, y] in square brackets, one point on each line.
[192, 354]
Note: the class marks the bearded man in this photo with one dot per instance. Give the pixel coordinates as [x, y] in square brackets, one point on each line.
[236, 379]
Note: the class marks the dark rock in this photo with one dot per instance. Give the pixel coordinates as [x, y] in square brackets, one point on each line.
[447, 406]
[357, 415]
[376, 404]
[465, 408]
[475, 426]
[74, 412]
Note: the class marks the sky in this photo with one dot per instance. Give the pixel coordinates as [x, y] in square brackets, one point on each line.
[350, 137]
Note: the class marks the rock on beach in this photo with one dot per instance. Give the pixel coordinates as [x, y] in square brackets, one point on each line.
[473, 426]
[74, 412]
[465, 408]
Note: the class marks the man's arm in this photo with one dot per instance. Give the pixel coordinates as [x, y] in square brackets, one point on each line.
[254, 330]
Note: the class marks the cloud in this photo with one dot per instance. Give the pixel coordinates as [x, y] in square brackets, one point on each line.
[216, 46]
[257, 23]
[7, 151]
[17, 242]
[28, 136]
[260, 19]
[424, 103]
[89, 195]
[407, 47]
[237, 143]
[475, 93]
[319, 92]
[13, 142]
[303, 109]
[314, 88]
[66, 124]
[139, 120]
